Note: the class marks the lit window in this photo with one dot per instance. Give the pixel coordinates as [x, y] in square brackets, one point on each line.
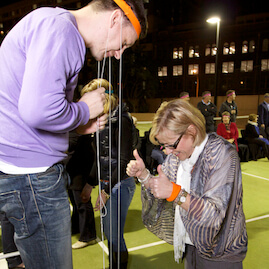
[207, 50]
[196, 52]
[247, 66]
[177, 70]
[226, 48]
[210, 68]
[214, 50]
[265, 65]
[232, 48]
[227, 67]
[178, 53]
[193, 69]
[245, 47]
[252, 46]
[265, 44]
[162, 71]
[191, 52]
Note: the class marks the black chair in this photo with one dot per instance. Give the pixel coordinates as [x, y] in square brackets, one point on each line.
[255, 150]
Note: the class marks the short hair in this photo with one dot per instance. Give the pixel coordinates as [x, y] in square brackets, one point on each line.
[183, 94]
[266, 95]
[226, 113]
[252, 117]
[206, 92]
[136, 5]
[176, 116]
[229, 92]
[111, 100]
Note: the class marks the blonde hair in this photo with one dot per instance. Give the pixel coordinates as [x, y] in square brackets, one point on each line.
[252, 117]
[177, 116]
[111, 101]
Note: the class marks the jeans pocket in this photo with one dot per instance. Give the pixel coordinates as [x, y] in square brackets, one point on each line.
[12, 205]
[50, 186]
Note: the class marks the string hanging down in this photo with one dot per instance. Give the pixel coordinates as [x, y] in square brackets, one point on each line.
[103, 212]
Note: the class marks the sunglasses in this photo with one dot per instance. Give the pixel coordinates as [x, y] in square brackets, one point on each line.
[174, 146]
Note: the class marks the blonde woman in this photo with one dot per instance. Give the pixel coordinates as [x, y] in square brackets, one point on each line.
[201, 176]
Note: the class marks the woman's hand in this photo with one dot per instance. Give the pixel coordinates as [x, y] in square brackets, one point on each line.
[86, 193]
[101, 201]
[136, 168]
[161, 186]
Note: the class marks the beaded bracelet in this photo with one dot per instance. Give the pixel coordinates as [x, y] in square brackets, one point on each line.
[175, 192]
[142, 181]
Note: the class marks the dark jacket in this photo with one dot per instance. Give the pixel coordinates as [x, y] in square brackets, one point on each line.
[209, 111]
[263, 114]
[225, 106]
[81, 161]
[108, 155]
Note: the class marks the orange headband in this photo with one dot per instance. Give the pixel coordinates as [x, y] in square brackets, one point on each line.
[130, 14]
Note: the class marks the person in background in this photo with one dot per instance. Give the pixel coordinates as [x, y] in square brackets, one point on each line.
[229, 105]
[184, 96]
[209, 111]
[263, 113]
[40, 59]
[202, 177]
[228, 130]
[79, 168]
[252, 134]
[7, 238]
[114, 180]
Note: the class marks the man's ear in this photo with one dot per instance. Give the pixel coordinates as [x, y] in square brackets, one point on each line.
[116, 18]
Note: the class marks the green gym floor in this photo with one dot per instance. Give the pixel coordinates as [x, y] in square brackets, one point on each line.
[146, 251]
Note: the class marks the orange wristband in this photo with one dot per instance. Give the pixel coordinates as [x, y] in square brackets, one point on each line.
[175, 192]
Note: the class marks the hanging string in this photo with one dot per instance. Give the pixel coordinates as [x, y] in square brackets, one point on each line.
[110, 157]
[104, 213]
[119, 144]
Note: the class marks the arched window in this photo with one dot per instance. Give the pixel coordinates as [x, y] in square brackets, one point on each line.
[191, 52]
[225, 48]
[245, 47]
[232, 48]
[265, 44]
[214, 50]
[207, 50]
[196, 52]
[251, 46]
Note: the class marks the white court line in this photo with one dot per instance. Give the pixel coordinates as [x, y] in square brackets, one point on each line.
[146, 246]
[258, 218]
[247, 174]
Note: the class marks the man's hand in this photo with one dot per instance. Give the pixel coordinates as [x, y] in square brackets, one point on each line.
[93, 125]
[95, 100]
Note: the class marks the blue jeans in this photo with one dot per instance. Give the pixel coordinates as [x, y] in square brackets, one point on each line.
[37, 205]
[127, 189]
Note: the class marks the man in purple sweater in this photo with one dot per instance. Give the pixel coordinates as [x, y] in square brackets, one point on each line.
[40, 60]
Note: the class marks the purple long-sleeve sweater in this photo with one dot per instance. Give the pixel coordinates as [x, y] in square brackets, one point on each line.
[40, 59]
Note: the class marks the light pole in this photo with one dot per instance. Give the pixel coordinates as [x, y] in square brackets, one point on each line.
[217, 21]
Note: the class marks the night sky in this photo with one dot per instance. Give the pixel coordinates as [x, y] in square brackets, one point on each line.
[198, 10]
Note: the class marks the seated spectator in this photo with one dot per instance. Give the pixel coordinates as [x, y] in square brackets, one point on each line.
[263, 118]
[228, 129]
[252, 134]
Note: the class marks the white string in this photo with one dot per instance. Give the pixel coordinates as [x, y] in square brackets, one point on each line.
[102, 215]
[119, 143]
